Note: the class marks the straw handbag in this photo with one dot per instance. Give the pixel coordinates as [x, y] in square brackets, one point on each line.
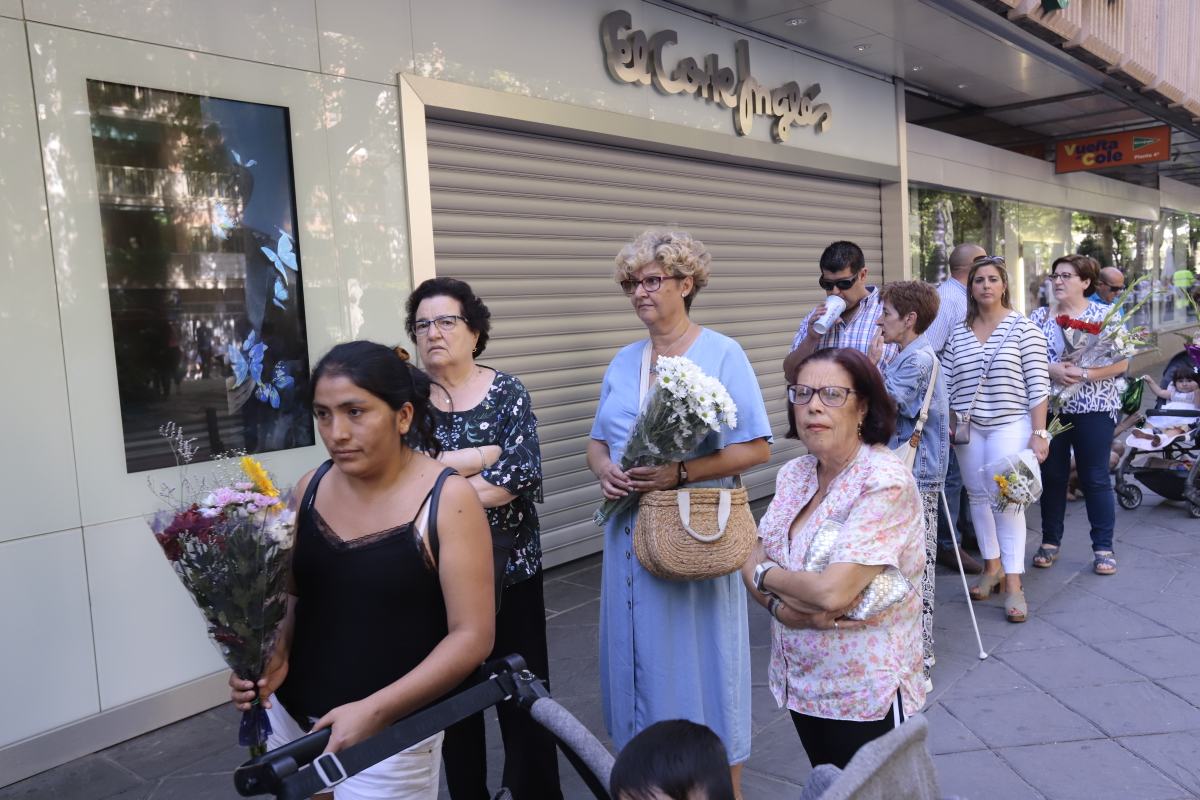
[694, 534]
[691, 534]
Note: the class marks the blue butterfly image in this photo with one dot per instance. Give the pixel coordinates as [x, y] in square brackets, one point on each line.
[238, 158]
[284, 258]
[269, 392]
[249, 364]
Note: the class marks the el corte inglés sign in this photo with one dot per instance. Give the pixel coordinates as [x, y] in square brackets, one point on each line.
[632, 57]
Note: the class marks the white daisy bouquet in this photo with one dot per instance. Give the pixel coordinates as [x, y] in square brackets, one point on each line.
[1015, 482]
[684, 406]
[228, 538]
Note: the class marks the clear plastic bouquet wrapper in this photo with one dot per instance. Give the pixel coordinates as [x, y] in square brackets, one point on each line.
[885, 589]
[1098, 344]
[683, 407]
[1013, 482]
[228, 537]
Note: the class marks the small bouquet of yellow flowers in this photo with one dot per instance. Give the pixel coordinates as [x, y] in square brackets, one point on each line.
[228, 538]
[1015, 482]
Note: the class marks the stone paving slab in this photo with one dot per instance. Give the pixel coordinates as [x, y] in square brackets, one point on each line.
[1163, 657]
[1132, 708]
[1176, 755]
[947, 734]
[1013, 718]
[1095, 770]
[1073, 665]
[981, 774]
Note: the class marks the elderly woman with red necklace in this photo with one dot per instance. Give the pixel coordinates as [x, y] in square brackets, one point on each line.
[845, 682]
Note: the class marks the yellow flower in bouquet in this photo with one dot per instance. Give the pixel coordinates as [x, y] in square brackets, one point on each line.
[257, 474]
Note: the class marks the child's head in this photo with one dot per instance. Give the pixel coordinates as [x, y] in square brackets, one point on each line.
[1186, 379]
[675, 759]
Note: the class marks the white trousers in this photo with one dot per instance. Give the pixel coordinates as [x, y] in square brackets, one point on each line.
[1000, 535]
[409, 775]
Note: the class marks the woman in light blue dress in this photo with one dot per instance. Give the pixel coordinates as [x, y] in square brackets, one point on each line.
[673, 649]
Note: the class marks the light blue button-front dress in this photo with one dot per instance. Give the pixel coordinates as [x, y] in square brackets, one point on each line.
[674, 649]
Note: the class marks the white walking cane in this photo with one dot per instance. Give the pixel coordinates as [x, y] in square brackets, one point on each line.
[962, 574]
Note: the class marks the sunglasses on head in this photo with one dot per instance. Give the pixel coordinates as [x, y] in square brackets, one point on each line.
[844, 284]
[985, 260]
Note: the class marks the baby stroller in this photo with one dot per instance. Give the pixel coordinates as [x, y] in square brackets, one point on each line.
[1170, 468]
[298, 769]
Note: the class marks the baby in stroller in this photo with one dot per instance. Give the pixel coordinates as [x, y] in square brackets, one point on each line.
[1181, 393]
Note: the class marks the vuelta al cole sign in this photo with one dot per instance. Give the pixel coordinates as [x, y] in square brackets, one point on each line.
[632, 57]
[1141, 146]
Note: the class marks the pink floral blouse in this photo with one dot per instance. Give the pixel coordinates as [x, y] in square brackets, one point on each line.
[851, 674]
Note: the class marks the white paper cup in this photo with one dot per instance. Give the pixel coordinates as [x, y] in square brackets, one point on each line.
[834, 306]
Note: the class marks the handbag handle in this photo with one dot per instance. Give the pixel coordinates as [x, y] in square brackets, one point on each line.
[924, 415]
[684, 499]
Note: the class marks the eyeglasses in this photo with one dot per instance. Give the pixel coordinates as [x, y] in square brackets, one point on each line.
[844, 284]
[831, 396]
[983, 261]
[1062, 276]
[445, 324]
[1120, 288]
[651, 283]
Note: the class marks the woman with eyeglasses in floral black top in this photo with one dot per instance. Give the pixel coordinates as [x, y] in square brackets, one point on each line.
[488, 433]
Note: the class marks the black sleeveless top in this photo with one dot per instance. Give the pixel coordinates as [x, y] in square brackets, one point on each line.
[369, 610]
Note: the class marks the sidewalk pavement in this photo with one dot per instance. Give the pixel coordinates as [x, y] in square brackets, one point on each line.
[1097, 696]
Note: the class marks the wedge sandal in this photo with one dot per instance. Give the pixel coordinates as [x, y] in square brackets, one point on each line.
[1104, 562]
[1015, 607]
[1045, 556]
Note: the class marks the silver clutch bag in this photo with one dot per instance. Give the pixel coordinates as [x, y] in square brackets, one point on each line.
[885, 589]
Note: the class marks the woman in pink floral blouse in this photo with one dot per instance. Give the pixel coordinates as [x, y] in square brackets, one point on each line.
[844, 682]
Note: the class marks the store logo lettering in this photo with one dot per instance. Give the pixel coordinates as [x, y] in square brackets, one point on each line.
[1104, 151]
[632, 57]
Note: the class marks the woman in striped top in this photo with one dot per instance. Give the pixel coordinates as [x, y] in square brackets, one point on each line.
[997, 371]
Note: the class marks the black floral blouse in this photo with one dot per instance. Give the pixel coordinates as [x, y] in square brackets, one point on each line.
[505, 417]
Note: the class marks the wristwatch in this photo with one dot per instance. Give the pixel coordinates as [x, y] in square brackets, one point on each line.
[1085, 375]
[683, 476]
[760, 574]
[1042, 433]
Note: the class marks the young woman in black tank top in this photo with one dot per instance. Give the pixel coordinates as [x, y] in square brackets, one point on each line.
[388, 613]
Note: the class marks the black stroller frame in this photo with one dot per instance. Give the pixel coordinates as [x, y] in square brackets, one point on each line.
[299, 769]
[1172, 484]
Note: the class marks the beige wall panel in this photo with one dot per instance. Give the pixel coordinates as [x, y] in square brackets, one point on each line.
[282, 32]
[11, 8]
[37, 474]
[149, 634]
[365, 38]
[369, 211]
[48, 673]
[63, 60]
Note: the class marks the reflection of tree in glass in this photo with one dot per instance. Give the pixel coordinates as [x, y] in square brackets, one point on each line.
[189, 280]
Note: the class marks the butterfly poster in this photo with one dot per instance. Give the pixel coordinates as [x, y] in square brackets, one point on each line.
[203, 251]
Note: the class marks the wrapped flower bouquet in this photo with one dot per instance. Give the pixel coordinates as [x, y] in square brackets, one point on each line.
[684, 406]
[228, 539]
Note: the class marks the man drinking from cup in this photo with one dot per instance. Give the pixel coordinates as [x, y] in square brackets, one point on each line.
[847, 317]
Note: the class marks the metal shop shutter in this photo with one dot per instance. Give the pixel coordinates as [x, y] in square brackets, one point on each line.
[533, 224]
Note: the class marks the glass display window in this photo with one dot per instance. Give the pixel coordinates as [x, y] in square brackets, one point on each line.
[198, 213]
